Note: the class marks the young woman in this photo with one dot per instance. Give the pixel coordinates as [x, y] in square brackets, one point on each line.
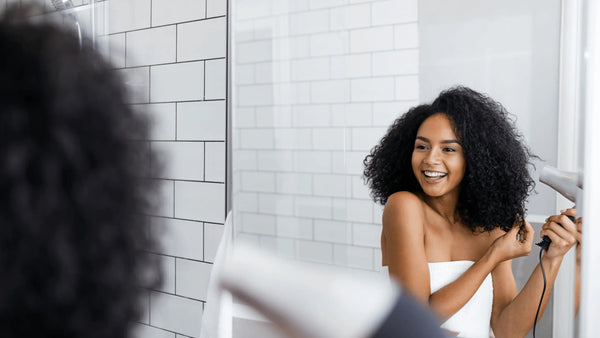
[453, 178]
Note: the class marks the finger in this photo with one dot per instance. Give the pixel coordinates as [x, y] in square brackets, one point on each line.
[552, 235]
[566, 224]
[569, 212]
[564, 221]
[578, 237]
[578, 224]
[514, 231]
[565, 235]
[527, 233]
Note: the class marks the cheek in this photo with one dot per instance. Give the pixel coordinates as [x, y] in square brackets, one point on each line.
[415, 163]
[459, 166]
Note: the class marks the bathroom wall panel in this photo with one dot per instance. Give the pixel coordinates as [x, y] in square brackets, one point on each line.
[216, 8]
[113, 46]
[215, 79]
[394, 11]
[201, 201]
[176, 314]
[151, 46]
[167, 264]
[137, 81]
[201, 120]
[177, 82]
[372, 89]
[164, 199]
[212, 238]
[163, 117]
[203, 39]
[214, 161]
[350, 16]
[179, 160]
[372, 39]
[192, 278]
[179, 238]
[129, 15]
[165, 12]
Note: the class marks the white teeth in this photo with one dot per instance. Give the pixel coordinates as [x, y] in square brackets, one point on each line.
[434, 174]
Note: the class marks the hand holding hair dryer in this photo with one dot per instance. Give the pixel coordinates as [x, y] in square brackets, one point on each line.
[568, 184]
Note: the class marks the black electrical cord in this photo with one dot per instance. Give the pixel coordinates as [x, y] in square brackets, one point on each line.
[543, 292]
[544, 245]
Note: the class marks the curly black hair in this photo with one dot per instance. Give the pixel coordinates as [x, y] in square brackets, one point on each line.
[73, 234]
[496, 183]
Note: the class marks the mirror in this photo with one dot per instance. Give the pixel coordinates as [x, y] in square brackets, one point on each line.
[316, 85]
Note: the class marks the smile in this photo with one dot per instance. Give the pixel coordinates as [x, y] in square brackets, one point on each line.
[434, 174]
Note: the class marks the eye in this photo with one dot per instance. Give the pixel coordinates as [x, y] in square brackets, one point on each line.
[420, 147]
[449, 150]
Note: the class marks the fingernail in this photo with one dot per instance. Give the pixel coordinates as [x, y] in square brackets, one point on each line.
[563, 211]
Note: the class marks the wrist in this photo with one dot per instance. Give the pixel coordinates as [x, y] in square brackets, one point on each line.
[491, 256]
[551, 262]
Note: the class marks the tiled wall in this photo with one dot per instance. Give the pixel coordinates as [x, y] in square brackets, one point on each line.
[317, 83]
[172, 54]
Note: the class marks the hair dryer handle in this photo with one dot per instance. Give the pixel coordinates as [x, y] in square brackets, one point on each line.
[545, 242]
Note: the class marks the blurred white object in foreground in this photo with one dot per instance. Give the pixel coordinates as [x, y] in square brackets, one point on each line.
[308, 300]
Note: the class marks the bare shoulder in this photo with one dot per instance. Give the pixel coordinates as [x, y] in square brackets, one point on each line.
[404, 196]
[404, 200]
[403, 208]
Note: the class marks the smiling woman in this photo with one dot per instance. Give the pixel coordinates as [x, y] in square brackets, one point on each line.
[453, 177]
[438, 160]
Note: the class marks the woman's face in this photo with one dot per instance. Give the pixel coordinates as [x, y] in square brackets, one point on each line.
[438, 160]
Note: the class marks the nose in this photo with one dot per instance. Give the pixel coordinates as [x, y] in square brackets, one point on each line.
[432, 157]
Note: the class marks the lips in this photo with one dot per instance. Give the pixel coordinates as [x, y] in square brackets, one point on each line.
[434, 174]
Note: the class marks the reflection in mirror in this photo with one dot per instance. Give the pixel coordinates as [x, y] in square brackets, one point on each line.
[316, 85]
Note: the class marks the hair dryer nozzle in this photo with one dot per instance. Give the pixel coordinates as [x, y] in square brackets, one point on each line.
[566, 183]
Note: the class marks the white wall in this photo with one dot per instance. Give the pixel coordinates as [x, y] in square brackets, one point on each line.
[316, 85]
[172, 54]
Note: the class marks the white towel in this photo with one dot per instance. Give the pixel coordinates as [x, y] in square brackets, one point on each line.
[473, 319]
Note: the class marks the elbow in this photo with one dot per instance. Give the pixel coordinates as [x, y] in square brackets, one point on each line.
[508, 329]
[507, 332]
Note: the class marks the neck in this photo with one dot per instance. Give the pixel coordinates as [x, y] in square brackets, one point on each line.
[445, 205]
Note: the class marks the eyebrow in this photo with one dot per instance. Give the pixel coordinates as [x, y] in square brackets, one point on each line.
[444, 141]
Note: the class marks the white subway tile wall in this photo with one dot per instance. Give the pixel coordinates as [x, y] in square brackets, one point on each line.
[172, 55]
[175, 313]
[317, 83]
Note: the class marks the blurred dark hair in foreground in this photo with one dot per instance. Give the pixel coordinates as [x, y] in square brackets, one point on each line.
[73, 234]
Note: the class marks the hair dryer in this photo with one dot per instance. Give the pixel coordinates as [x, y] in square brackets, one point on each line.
[568, 184]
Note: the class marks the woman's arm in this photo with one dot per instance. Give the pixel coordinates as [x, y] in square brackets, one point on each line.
[514, 316]
[405, 248]
[404, 240]
[514, 243]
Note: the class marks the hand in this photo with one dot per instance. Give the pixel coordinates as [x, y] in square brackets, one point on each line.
[563, 232]
[516, 242]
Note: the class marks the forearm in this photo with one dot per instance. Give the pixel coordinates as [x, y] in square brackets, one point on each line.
[448, 300]
[516, 319]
